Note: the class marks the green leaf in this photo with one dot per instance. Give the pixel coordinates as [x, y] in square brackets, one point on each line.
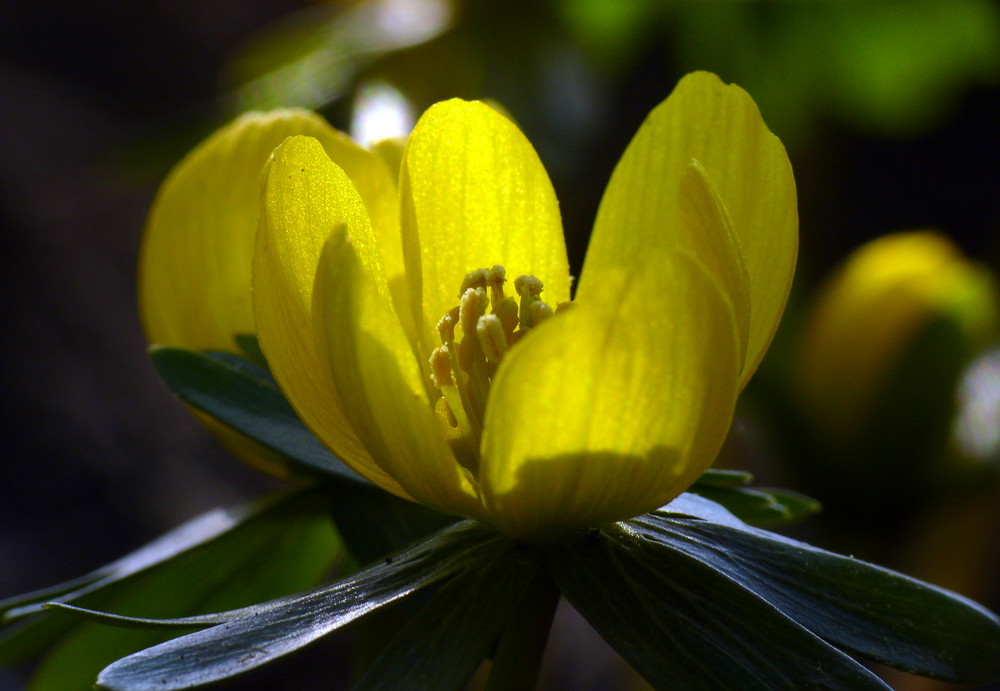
[221, 560]
[760, 505]
[194, 546]
[682, 624]
[255, 635]
[715, 477]
[860, 607]
[249, 346]
[244, 396]
[374, 523]
[441, 647]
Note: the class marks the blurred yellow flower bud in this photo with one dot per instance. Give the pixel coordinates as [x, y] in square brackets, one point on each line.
[885, 342]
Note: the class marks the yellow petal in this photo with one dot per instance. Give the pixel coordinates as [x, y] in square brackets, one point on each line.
[721, 128]
[194, 264]
[705, 232]
[614, 406]
[305, 197]
[475, 194]
[391, 151]
[370, 356]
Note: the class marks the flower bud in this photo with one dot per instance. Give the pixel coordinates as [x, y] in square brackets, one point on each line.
[883, 349]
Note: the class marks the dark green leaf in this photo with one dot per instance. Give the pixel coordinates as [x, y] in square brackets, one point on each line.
[684, 625]
[243, 396]
[255, 635]
[759, 505]
[222, 560]
[857, 606]
[373, 522]
[250, 347]
[195, 533]
[443, 644]
[714, 477]
[696, 506]
[203, 544]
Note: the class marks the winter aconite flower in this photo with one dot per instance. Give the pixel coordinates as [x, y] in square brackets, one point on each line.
[888, 336]
[441, 356]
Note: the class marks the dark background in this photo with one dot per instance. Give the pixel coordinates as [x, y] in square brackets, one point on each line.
[99, 98]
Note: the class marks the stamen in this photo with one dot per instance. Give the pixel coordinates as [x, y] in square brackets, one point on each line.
[475, 337]
[472, 307]
[540, 312]
[529, 288]
[474, 279]
[441, 374]
[528, 284]
[506, 312]
[492, 338]
[495, 281]
[446, 326]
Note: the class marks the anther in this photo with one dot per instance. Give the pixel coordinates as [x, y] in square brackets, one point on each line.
[441, 367]
[471, 308]
[441, 373]
[474, 279]
[528, 284]
[497, 277]
[446, 326]
[540, 312]
[506, 312]
[491, 335]
[475, 338]
[529, 288]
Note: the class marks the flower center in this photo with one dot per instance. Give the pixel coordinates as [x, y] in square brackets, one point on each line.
[474, 338]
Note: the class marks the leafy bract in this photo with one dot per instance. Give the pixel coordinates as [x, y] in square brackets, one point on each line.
[443, 644]
[225, 558]
[857, 606]
[246, 638]
[244, 396]
[760, 505]
[682, 624]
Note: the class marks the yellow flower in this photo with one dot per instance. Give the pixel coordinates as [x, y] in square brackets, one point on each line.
[405, 350]
[871, 311]
[197, 249]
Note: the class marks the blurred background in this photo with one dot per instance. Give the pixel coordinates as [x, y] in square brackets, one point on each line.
[880, 396]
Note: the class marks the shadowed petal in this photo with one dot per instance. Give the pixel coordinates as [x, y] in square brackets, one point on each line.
[197, 248]
[358, 332]
[615, 406]
[721, 128]
[305, 197]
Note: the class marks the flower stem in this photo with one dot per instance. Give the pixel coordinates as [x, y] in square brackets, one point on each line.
[519, 653]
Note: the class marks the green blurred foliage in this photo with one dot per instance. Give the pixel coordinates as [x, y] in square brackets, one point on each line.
[892, 68]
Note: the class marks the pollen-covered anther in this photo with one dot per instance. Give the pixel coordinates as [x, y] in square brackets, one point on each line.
[528, 284]
[529, 288]
[506, 312]
[441, 373]
[540, 312]
[474, 279]
[473, 305]
[491, 335]
[475, 337]
[446, 326]
[494, 281]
